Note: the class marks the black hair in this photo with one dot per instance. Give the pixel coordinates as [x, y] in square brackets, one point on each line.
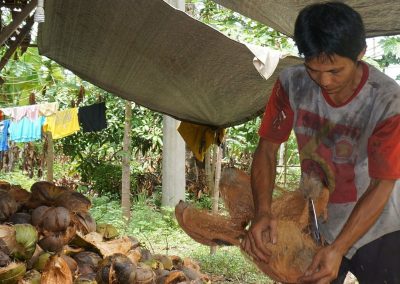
[329, 28]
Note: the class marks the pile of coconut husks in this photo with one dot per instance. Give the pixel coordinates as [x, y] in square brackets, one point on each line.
[48, 236]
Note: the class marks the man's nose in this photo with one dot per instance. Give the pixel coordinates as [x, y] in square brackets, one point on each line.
[325, 80]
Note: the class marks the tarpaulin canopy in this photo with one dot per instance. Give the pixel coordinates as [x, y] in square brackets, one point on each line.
[159, 57]
[381, 17]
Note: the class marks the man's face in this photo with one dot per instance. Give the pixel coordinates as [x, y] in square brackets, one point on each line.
[335, 75]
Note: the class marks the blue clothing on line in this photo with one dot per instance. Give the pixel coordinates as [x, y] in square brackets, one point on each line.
[26, 130]
[4, 125]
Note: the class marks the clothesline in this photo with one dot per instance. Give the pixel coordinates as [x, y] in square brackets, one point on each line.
[28, 123]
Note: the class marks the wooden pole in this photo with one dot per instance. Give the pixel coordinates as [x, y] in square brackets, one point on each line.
[215, 192]
[7, 31]
[50, 157]
[126, 158]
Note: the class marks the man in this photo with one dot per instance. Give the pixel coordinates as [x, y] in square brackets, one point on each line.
[346, 117]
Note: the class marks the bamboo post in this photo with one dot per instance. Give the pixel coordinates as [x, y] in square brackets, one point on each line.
[215, 193]
[126, 158]
[50, 157]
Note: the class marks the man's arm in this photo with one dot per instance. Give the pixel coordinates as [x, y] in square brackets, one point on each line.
[263, 226]
[326, 262]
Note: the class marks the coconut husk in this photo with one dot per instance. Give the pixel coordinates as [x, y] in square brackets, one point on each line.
[44, 193]
[56, 271]
[294, 249]
[74, 201]
[207, 228]
[41, 261]
[72, 264]
[31, 277]
[108, 231]
[20, 218]
[26, 238]
[116, 269]
[8, 205]
[84, 223]
[20, 195]
[165, 260]
[176, 277]
[4, 185]
[135, 255]
[94, 241]
[12, 273]
[38, 252]
[4, 259]
[7, 239]
[86, 279]
[87, 261]
[144, 275]
[51, 219]
[55, 241]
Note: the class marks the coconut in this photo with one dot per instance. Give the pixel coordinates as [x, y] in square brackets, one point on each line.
[134, 255]
[116, 268]
[44, 193]
[56, 271]
[31, 277]
[19, 194]
[73, 266]
[55, 241]
[144, 275]
[176, 277]
[20, 218]
[12, 273]
[41, 262]
[7, 238]
[108, 231]
[86, 279]
[4, 259]
[87, 261]
[8, 205]
[51, 219]
[73, 201]
[26, 238]
[85, 223]
[4, 185]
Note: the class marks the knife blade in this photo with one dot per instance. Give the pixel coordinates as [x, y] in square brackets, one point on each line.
[314, 227]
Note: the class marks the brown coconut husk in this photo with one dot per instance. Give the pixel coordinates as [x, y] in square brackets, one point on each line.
[87, 261]
[8, 205]
[176, 277]
[51, 219]
[73, 201]
[5, 185]
[84, 223]
[44, 193]
[19, 194]
[55, 241]
[20, 218]
[116, 269]
[56, 271]
[295, 248]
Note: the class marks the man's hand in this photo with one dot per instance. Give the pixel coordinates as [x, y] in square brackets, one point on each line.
[324, 267]
[262, 231]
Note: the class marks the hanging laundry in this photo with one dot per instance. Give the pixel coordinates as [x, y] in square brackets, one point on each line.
[4, 125]
[48, 109]
[62, 123]
[17, 113]
[200, 137]
[26, 130]
[93, 118]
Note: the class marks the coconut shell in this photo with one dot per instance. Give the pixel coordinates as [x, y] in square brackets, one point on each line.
[8, 205]
[54, 242]
[51, 219]
[74, 201]
[20, 218]
[86, 279]
[116, 268]
[176, 277]
[165, 260]
[135, 255]
[56, 271]
[12, 273]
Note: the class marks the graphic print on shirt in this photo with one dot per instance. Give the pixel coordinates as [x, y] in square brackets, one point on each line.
[328, 150]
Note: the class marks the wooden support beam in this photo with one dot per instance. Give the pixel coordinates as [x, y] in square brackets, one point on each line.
[25, 30]
[12, 27]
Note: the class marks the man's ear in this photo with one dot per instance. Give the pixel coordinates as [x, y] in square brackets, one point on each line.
[361, 54]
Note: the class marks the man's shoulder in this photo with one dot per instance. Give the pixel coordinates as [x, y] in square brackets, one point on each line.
[380, 80]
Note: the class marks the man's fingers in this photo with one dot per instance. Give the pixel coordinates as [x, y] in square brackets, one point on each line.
[246, 246]
[257, 250]
[273, 231]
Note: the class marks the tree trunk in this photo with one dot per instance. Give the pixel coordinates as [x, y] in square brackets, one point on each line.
[126, 158]
[217, 176]
[49, 157]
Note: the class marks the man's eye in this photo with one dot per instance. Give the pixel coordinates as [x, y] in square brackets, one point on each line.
[335, 71]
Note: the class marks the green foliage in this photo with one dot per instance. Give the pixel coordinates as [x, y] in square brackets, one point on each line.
[18, 178]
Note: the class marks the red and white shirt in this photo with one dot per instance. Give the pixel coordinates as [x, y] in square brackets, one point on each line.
[346, 145]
